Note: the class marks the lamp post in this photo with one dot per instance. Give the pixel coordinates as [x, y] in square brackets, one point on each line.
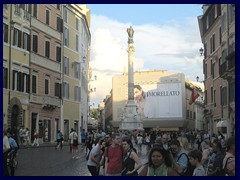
[201, 51]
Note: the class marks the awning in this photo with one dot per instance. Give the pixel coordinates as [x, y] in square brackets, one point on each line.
[222, 124]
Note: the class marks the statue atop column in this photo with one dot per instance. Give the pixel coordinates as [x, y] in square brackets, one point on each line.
[130, 34]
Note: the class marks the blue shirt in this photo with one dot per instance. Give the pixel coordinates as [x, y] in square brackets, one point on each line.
[12, 143]
[83, 135]
[182, 160]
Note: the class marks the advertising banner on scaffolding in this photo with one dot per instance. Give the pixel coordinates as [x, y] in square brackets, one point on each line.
[162, 100]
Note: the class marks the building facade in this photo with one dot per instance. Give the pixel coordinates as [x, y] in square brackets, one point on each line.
[217, 29]
[166, 106]
[40, 87]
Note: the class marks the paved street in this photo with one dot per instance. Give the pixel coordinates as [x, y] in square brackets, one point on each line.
[46, 161]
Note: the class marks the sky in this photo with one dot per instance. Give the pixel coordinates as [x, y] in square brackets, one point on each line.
[166, 37]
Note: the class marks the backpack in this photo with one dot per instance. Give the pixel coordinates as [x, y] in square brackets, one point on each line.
[189, 170]
[223, 170]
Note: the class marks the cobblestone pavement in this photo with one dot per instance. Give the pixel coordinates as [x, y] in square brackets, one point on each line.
[47, 161]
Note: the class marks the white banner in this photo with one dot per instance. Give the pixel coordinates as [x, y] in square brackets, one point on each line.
[159, 100]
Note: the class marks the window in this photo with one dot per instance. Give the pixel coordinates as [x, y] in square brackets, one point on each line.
[47, 17]
[232, 91]
[35, 43]
[58, 6]
[35, 10]
[5, 30]
[220, 36]
[16, 80]
[187, 113]
[223, 91]
[213, 69]
[231, 13]
[65, 16]
[27, 9]
[211, 94]
[26, 41]
[5, 78]
[47, 49]
[5, 6]
[17, 9]
[214, 97]
[25, 83]
[212, 43]
[77, 93]
[66, 90]
[17, 38]
[194, 115]
[190, 114]
[206, 95]
[58, 54]
[77, 70]
[66, 37]
[205, 68]
[34, 84]
[77, 24]
[66, 66]
[59, 24]
[223, 23]
[58, 89]
[77, 42]
[47, 85]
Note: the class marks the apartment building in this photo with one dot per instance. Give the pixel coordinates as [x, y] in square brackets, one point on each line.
[75, 67]
[45, 78]
[217, 29]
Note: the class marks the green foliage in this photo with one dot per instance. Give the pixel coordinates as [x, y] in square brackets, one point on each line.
[94, 113]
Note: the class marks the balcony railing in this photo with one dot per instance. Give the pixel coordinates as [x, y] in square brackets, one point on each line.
[45, 100]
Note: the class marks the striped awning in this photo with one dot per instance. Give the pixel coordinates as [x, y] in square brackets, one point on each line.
[222, 123]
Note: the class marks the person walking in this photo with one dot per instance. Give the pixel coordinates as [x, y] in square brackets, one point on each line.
[27, 137]
[74, 143]
[36, 137]
[6, 150]
[83, 138]
[70, 145]
[59, 140]
[22, 132]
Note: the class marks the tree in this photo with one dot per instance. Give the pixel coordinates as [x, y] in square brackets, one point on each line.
[94, 113]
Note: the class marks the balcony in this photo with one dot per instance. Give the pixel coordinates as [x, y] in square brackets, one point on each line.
[231, 61]
[45, 101]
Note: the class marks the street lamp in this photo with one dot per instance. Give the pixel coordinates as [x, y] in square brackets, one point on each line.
[201, 51]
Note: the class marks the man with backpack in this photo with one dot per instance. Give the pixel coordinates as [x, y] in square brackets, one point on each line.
[114, 157]
[179, 159]
[229, 159]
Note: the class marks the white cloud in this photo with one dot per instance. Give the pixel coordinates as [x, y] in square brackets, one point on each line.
[171, 47]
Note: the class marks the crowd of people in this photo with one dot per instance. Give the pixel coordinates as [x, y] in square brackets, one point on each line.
[190, 153]
[169, 154]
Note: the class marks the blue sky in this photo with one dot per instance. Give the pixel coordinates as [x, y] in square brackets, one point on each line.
[166, 37]
[141, 14]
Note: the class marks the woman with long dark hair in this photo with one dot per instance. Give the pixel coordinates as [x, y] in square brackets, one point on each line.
[159, 163]
[131, 161]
